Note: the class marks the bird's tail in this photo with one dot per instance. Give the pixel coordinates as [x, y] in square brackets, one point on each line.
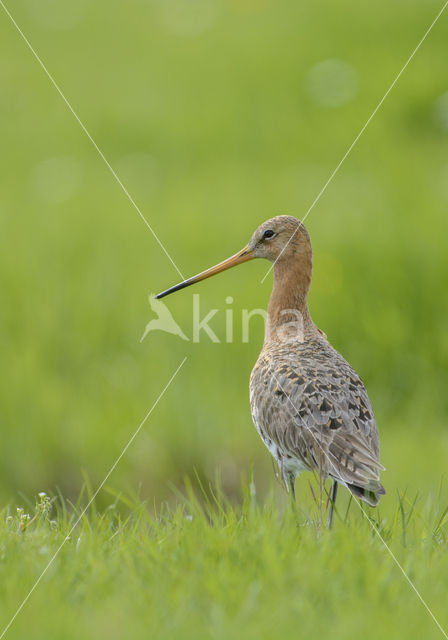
[371, 495]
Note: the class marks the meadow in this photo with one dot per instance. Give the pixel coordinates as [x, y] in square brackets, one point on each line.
[207, 569]
[216, 115]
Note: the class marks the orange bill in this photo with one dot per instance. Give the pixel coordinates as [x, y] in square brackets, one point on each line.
[240, 257]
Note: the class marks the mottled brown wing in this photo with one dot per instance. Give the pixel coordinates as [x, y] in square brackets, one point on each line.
[312, 405]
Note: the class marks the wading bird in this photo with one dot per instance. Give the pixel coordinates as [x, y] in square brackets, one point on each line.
[308, 404]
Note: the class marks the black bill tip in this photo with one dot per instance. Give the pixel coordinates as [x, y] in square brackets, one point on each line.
[176, 287]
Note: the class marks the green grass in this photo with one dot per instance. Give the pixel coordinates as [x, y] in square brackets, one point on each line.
[207, 569]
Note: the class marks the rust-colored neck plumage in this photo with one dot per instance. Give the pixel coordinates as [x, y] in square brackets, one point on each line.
[288, 313]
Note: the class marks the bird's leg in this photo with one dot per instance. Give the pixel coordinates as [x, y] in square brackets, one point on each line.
[291, 481]
[334, 493]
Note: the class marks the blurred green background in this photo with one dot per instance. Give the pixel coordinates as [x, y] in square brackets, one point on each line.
[216, 115]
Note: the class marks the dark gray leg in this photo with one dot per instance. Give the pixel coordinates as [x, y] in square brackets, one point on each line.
[291, 480]
[334, 493]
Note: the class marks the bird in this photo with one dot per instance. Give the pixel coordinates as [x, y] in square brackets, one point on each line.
[309, 406]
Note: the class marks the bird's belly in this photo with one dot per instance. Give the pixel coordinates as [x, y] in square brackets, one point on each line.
[287, 462]
[291, 464]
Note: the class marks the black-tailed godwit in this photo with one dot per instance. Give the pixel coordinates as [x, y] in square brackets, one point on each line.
[308, 404]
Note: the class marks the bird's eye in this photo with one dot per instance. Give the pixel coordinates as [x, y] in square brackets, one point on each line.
[268, 233]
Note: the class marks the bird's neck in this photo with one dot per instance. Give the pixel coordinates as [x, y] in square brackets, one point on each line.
[288, 314]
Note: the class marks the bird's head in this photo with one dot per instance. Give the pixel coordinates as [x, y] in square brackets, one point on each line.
[279, 239]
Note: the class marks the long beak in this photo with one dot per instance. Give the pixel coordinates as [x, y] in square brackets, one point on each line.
[240, 257]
